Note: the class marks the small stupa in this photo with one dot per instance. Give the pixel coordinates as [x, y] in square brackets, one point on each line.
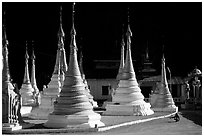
[33, 81]
[49, 95]
[161, 99]
[57, 80]
[73, 108]
[10, 120]
[127, 98]
[27, 91]
[94, 103]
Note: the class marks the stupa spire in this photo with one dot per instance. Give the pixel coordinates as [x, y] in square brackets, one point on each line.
[147, 53]
[61, 33]
[5, 73]
[81, 64]
[33, 79]
[128, 67]
[26, 78]
[73, 63]
[121, 59]
[163, 73]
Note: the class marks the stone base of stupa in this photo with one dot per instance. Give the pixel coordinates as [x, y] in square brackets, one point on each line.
[74, 121]
[172, 108]
[43, 110]
[8, 127]
[162, 103]
[142, 109]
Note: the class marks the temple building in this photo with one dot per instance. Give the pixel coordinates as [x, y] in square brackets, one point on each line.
[72, 108]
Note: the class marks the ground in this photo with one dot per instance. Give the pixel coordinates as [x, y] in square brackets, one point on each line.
[190, 124]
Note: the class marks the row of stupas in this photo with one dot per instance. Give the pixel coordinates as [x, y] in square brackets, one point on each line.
[72, 107]
[67, 100]
[29, 90]
[50, 93]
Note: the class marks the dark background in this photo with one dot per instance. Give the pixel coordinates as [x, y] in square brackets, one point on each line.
[177, 26]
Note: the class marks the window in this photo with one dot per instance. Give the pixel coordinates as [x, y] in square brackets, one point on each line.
[105, 90]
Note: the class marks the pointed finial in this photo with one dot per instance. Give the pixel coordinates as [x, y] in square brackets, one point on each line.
[33, 55]
[147, 51]
[128, 33]
[128, 15]
[60, 14]
[73, 32]
[26, 55]
[163, 53]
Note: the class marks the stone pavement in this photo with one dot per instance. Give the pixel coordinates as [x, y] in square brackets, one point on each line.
[110, 123]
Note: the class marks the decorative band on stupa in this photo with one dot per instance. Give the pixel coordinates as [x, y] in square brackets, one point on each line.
[73, 108]
[161, 99]
[27, 91]
[127, 98]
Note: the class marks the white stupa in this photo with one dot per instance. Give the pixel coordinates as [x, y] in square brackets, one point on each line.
[27, 91]
[49, 95]
[127, 98]
[73, 108]
[161, 99]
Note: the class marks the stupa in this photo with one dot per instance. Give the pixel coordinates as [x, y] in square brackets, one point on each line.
[127, 98]
[33, 81]
[27, 91]
[54, 87]
[94, 103]
[73, 108]
[161, 99]
[9, 108]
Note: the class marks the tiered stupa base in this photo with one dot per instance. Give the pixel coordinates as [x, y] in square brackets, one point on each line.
[26, 92]
[47, 100]
[42, 111]
[74, 121]
[141, 109]
[128, 100]
[162, 103]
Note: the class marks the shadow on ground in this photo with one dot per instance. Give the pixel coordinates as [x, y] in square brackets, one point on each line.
[195, 116]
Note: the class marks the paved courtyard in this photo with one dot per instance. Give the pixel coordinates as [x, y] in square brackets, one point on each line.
[190, 124]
